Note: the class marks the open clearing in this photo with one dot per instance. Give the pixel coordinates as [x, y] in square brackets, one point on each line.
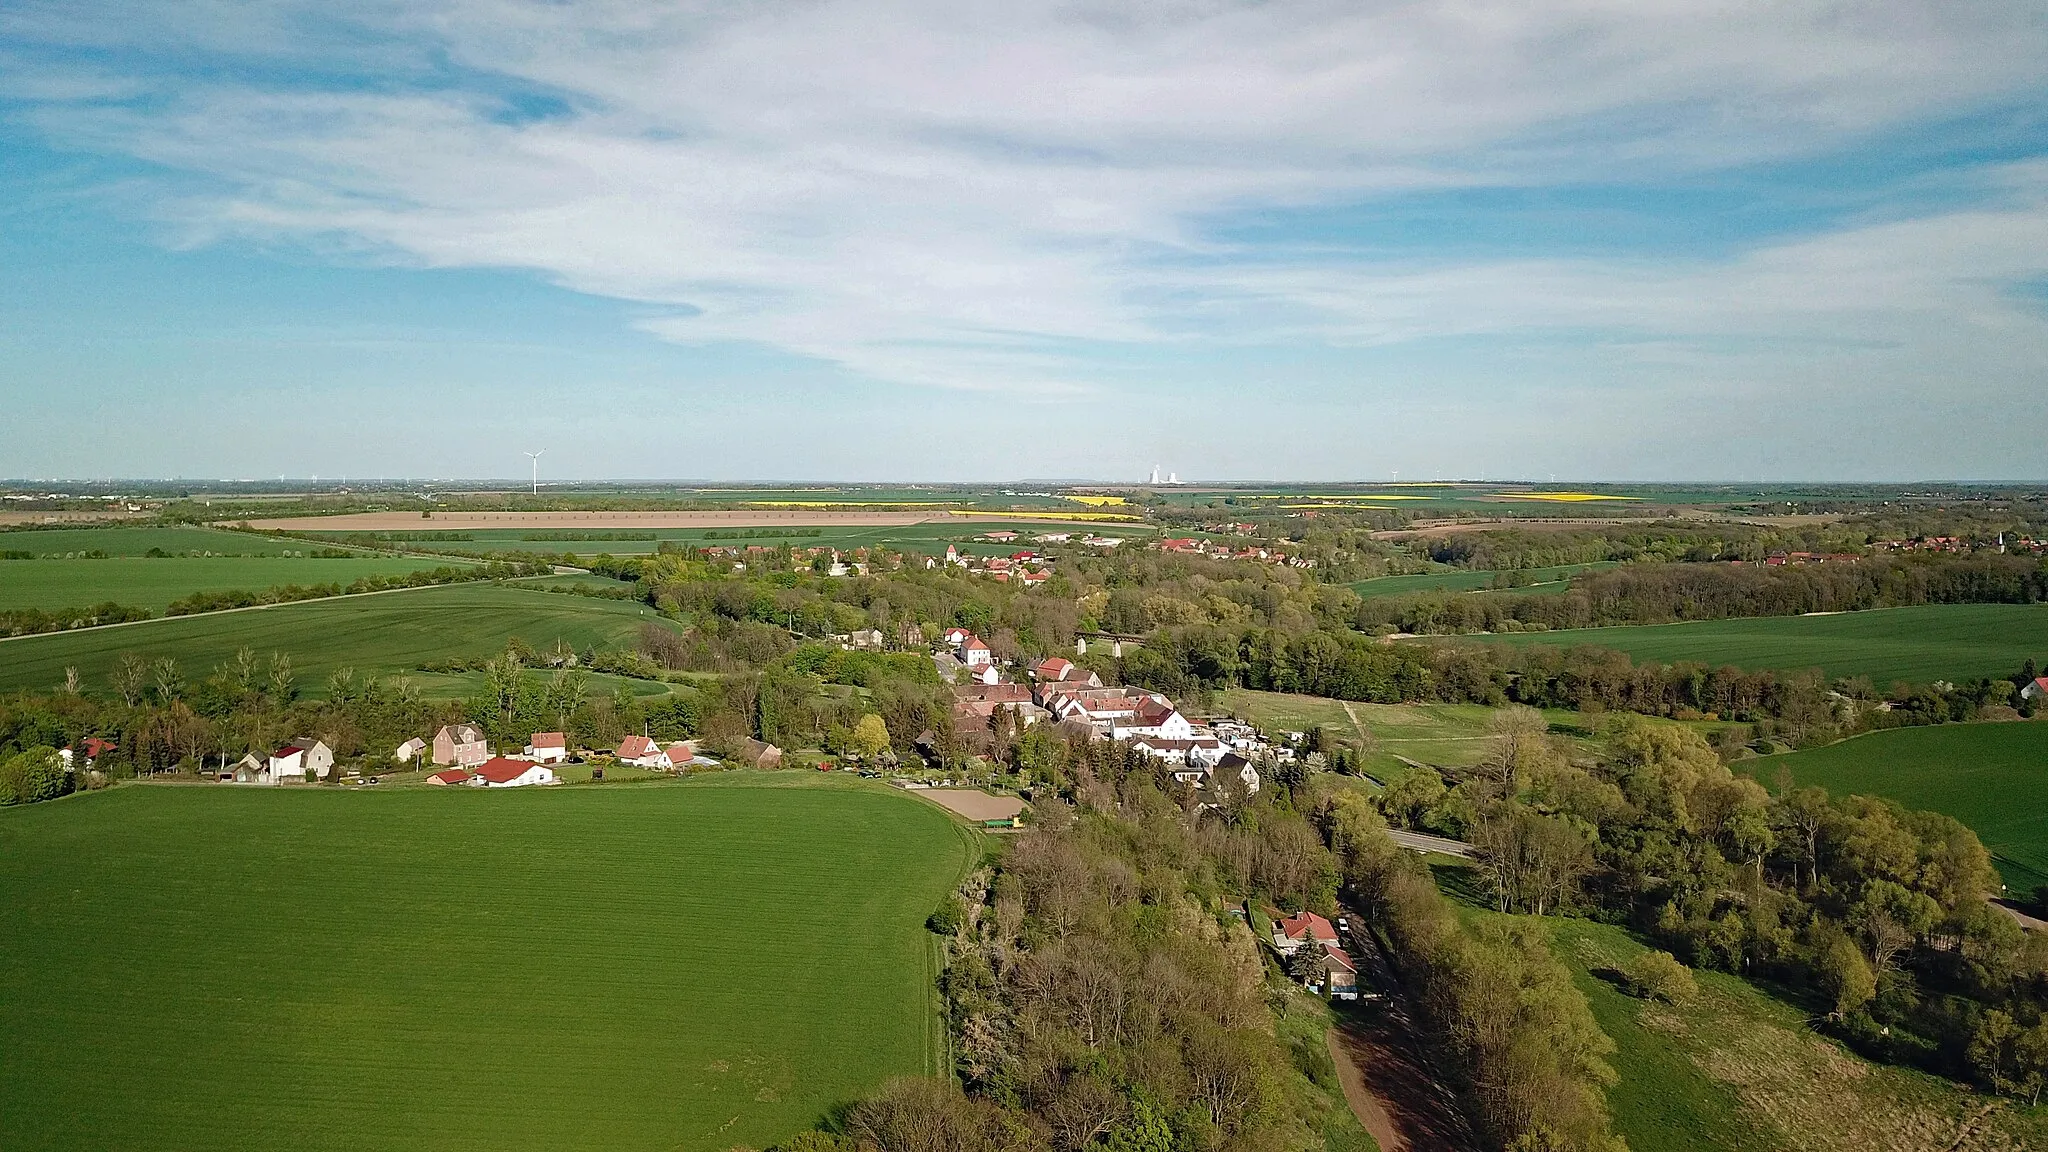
[1444, 735]
[1737, 1071]
[972, 803]
[697, 965]
[1992, 777]
[1946, 641]
[388, 633]
[155, 583]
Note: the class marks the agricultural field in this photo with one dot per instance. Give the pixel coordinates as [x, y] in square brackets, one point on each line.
[930, 538]
[1738, 1071]
[692, 965]
[1953, 642]
[1989, 776]
[57, 542]
[155, 582]
[1541, 581]
[382, 633]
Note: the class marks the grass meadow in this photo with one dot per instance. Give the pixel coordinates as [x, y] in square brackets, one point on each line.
[930, 538]
[154, 583]
[1948, 641]
[1738, 1071]
[383, 633]
[697, 966]
[1992, 777]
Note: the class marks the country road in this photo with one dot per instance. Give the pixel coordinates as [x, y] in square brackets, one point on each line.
[1424, 842]
[1384, 1066]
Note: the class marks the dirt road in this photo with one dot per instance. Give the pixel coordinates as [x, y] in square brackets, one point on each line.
[1386, 1073]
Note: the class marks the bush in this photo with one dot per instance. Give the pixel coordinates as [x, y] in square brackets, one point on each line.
[1659, 976]
[947, 919]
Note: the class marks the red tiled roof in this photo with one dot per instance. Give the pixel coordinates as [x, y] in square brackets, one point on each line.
[679, 754]
[1054, 668]
[634, 747]
[549, 740]
[499, 770]
[1303, 924]
[451, 776]
[973, 644]
[287, 750]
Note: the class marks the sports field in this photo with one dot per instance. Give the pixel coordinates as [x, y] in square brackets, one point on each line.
[1918, 645]
[698, 966]
[155, 583]
[1992, 777]
[383, 633]
[1541, 581]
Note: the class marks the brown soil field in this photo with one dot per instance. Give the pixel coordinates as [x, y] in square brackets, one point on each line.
[972, 804]
[444, 521]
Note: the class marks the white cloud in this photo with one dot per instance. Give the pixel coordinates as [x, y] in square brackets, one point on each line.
[963, 195]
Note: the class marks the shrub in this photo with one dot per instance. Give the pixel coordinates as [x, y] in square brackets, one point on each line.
[1659, 976]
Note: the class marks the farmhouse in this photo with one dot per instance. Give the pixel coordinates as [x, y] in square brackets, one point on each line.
[300, 758]
[548, 748]
[410, 751]
[500, 772]
[460, 744]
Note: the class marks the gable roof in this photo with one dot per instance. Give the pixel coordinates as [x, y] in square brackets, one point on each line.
[499, 770]
[286, 752]
[679, 754]
[634, 747]
[461, 733]
[549, 740]
[1053, 668]
[449, 776]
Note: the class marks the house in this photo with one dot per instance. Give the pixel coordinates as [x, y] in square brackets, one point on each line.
[760, 754]
[986, 674]
[548, 748]
[302, 757]
[251, 769]
[1034, 579]
[410, 751]
[866, 640]
[1155, 716]
[954, 637]
[1198, 752]
[499, 772]
[92, 746]
[678, 755]
[461, 744]
[1235, 765]
[641, 751]
[2036, 690]
[1302, 928]
[974, 653]
[1340, 973]
[450, 776]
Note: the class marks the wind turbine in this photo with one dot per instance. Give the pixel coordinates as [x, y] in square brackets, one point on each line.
[535, 457]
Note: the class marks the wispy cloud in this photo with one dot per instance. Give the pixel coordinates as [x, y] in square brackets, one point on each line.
[974, 195]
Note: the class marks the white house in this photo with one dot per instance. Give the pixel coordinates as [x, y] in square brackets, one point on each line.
[296, 759]
[502, 773]
[1155, 716]
[2036, 689]
[548, 748]
[410, 751]
[642, 752]
[974, 653]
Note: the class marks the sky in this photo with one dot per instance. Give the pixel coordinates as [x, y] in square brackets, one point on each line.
[957, 241]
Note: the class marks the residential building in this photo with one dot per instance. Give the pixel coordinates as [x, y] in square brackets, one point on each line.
[301, 757]
[760, 754]
[2036, 690]
[461, 744]
[974, 653]
[641, 751]
[410, 751]
[1302, 928]
[450, 776]
[548, 748]
[501, 772]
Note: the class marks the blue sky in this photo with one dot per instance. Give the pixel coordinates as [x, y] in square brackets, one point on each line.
[922, 240]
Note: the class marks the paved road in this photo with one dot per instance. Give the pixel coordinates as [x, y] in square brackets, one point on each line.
[1423, 842]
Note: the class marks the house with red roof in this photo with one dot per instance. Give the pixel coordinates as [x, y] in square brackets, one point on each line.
[548, 748]
[300, 758]
[1302, 928]
[974, 653]
[2037, 690]
[501, 772]
[450, 776]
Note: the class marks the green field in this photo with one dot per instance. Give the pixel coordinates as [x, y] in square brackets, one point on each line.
[929, 538]
[1992, 777]
[382, 633]
[155, 583]
[138, 541]
[1542, 581]
[695, 966]
[1918, 645]
[1737, 1071]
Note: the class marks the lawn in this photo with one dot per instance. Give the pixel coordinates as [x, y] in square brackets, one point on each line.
[701, 965]
[1992, 777]
[382, 633]
[1542, 581]
[1950, 641]
[154, 583]
[1738, 1071]
[138, 541]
